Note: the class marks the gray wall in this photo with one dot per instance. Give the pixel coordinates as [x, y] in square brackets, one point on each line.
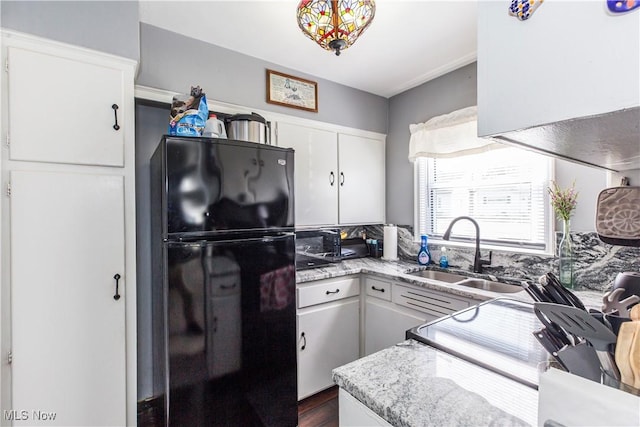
[589, 182]
[443, 95]
[107, 26]
[450, 92]
[633, 176]
[174, 62]
[151, 123]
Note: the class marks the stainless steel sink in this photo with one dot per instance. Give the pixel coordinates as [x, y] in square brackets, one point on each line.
[457, 279]
[488, 285]
[439, 275]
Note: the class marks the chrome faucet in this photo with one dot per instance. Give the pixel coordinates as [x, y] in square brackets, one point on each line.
[477, 261]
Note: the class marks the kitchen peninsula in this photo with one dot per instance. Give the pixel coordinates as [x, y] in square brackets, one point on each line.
[411, 385]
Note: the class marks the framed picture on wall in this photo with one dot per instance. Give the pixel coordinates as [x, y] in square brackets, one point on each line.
[290, 91]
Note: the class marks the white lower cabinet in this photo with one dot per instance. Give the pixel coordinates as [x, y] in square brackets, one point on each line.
[392, 308]
[386, 324]
[354, 414]
[328, 332]
[435, 304]
[68, 280]
[331, 327]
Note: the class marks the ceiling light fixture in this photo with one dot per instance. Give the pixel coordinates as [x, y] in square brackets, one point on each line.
[335, 24]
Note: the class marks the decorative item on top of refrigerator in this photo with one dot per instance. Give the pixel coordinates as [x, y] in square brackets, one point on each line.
[214, 128]
[249, 127]
[189, 113]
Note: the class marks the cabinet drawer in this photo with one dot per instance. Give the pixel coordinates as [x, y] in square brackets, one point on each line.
[378, 288]
[326, 291]
[435, 303]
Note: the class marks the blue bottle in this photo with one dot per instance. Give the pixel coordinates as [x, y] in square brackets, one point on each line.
[444, 261]
[424, 257]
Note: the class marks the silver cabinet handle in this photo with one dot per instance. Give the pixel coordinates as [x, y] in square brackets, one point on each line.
[332, 178]
[304, 345]
[333, 292]
[341, 179]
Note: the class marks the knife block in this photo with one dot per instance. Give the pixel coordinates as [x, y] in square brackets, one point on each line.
[571, 400]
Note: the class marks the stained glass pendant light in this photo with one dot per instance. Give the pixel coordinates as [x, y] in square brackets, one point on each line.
[335, 24]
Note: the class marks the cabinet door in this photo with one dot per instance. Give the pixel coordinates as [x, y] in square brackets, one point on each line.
[362, 180]
[61, 110]
[316, 173]
[354, 414]
[328, 337]
[385, 325]
[67, 329]
[523, 87]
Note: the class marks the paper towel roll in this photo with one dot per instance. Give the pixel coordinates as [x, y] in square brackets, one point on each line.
[390, 249]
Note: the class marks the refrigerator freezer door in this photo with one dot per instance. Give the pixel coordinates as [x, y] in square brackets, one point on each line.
[213, 185]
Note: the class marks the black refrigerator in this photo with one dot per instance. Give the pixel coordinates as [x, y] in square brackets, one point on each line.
[223, 273]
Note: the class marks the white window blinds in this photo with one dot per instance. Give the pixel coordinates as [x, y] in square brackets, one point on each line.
[503, 190]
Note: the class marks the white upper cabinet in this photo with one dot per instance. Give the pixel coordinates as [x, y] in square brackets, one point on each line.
[315, 173]
[362, 179]
[72, 113]
[565, 81]
[339, 178]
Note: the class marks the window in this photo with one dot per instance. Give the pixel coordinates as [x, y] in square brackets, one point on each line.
[504, 190]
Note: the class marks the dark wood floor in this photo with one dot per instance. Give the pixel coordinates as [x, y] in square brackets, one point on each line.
[319, 410]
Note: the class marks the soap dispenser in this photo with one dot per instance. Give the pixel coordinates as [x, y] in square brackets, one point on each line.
[444, 261]
[424, 256]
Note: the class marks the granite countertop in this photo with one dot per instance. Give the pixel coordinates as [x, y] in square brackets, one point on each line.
[399, 271]
[355, 266]
[411, 384]
[414, 385]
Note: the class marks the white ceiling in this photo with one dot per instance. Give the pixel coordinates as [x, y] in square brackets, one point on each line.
[407, 44]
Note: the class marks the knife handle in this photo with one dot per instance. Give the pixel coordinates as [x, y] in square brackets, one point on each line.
[532, 293]
[571, 299]
[557, 296]
[535, 292]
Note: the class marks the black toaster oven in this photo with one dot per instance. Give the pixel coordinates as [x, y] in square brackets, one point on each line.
[317, 247]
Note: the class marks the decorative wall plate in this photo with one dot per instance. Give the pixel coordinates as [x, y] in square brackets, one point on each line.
[622, 6]
[523, 9]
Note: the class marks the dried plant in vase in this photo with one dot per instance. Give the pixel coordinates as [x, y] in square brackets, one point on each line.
[564, 202]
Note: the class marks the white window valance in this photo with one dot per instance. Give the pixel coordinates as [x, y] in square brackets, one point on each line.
[450, 135]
